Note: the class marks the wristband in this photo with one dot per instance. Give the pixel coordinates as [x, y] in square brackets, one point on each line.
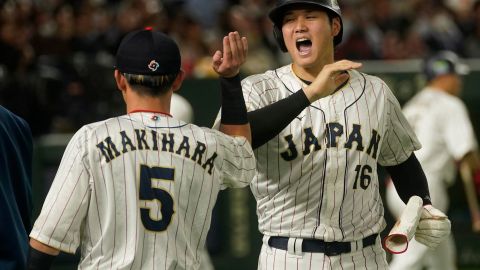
[38, 260]
[234, 111]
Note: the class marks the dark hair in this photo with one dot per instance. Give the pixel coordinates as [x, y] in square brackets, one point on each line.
[150, 85]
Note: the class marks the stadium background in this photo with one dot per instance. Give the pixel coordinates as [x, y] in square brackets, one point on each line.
[56, 72]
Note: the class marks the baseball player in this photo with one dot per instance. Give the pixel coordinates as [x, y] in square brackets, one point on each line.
[137, 191]
[441, 122]
[15, 190]
[319, 129]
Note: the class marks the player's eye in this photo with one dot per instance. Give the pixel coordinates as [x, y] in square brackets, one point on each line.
[287, 19]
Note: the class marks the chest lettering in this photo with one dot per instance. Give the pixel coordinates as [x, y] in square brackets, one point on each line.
[354, 141]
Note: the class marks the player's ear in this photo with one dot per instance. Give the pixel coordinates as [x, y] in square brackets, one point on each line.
[120, 80]
[178, 81]
[336, 26]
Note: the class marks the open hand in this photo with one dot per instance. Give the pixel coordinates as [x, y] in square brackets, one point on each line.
[235, 48]
[329, 79]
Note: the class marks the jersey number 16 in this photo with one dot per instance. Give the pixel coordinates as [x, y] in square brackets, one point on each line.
[362, 176]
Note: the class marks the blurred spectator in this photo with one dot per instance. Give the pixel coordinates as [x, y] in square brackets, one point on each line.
[472, 43]
[56, 53]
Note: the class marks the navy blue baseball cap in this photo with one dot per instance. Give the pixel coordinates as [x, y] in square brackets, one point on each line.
[444, 62]
[148, 52]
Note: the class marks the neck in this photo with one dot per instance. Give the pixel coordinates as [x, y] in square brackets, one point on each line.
[159, 104]
[309, 73]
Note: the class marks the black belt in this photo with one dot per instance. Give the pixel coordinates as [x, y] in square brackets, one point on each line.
[316, 245]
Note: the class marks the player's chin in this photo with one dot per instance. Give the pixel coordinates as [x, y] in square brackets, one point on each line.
[304, 62]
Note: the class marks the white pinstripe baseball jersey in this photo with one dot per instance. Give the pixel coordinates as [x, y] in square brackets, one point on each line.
[137, 192]
[318, 177]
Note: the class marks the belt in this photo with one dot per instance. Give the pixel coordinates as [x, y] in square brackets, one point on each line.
[316, 245]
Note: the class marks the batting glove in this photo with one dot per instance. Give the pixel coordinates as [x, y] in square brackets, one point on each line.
[433, 227]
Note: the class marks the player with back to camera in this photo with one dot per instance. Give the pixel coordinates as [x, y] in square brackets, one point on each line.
[16, 149]
[440, 120]
[137, 191]
[319, 129]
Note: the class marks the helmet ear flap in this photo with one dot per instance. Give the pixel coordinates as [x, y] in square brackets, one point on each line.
[278, 35]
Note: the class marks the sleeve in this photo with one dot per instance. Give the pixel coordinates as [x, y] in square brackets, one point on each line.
[458, 131]
[400, 140]
[65, 207]
[252, 99]
[236, 162]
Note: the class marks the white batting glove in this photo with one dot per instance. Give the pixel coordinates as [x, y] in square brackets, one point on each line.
[433, 227]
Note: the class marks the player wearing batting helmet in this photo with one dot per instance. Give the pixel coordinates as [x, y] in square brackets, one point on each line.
[440, 120]
[319, 129]
[137, 191]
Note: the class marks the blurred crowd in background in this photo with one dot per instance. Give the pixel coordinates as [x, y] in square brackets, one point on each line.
[56, 60]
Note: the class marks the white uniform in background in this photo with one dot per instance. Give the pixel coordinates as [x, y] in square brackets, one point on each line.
[318, 177]
[181, 109]
[442, 125]
[137, 192]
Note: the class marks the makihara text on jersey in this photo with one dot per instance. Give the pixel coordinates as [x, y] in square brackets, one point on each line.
[110, 149]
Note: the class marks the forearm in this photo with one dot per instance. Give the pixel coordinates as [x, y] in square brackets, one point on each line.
[409, 180]
[268, 121]
[234, 119]
[468, 165]
[237, 130]
[40, 256]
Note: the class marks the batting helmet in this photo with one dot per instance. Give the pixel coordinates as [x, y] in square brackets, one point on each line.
[276, 16]
[443, 62]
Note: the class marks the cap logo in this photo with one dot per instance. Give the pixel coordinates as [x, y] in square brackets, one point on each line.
[153, 65]
[440, 67]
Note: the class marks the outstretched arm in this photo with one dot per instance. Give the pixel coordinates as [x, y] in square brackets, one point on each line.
[468, 165]
[234, 120]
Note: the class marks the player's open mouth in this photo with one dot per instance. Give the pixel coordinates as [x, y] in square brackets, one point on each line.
[303, 45]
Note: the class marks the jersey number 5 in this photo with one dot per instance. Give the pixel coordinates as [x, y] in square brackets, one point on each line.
[149, 191]
[362, 176]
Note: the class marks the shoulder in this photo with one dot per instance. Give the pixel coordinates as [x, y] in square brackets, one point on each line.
[268, 77]
[8, 116]
[90, 131]
[451, 102]
[370, 83]
[10, 122]
[439, 99]
[373, 81]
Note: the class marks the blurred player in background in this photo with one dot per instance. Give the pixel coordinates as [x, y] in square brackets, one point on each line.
[181, 109]
[137, 191]
[319, 128]
[441, 122]
[16, 148]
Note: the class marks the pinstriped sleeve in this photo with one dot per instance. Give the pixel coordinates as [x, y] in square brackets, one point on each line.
[235, 164]
[252, 93]
[66, 204]
[400, 140]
